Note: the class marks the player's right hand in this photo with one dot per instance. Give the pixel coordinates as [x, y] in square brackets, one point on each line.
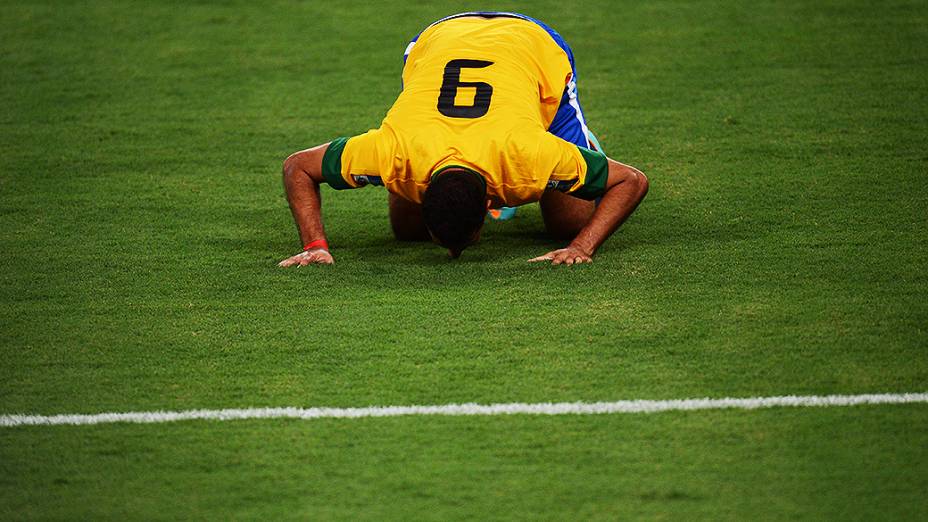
[315, 256]
[565, 256]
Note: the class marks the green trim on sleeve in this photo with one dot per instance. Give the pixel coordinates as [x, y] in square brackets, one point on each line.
[597, 172]
[332, 164]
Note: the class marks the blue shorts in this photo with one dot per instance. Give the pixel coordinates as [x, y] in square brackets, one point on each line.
[569, 123]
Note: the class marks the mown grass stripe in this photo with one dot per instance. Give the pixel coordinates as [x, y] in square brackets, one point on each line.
[544, 408]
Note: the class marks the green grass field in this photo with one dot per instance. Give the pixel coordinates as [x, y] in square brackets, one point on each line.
[782, 250]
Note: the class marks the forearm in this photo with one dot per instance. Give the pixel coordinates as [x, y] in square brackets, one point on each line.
[616, 205]
[305, 201]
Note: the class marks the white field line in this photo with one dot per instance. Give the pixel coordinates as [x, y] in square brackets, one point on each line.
[544, 408]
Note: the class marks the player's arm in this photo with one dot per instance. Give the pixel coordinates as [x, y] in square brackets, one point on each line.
[302, 176]
[625, 187]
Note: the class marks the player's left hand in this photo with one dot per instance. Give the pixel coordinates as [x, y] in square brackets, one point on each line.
[316, 256]
[564, 256]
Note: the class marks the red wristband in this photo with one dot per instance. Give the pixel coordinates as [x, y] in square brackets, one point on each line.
[315, 244]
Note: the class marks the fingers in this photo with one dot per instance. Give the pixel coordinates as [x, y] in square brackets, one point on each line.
[564, 256]
[577, 260]
[310, 257]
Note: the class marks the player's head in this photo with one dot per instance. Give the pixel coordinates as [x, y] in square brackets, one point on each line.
[453, 208]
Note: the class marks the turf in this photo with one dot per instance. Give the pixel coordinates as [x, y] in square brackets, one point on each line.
[781, 251]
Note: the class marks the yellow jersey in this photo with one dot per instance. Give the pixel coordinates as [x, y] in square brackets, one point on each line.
[478, 93]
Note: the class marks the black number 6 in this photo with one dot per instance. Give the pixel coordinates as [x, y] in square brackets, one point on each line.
[452, 82]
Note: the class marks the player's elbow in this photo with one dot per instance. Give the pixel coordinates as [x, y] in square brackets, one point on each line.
[294, 170]
[291, 166]
[304, 165]
[634, 181]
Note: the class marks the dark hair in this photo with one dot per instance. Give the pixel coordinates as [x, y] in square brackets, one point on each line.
[454, 206]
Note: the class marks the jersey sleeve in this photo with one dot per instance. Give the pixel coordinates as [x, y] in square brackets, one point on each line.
[593, 184]
[332, 165]
[357, 161]
[580, 172]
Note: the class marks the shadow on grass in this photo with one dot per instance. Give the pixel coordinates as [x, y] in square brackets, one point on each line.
[664, 225]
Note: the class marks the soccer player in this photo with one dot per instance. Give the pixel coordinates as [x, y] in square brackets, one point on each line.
[488, 118]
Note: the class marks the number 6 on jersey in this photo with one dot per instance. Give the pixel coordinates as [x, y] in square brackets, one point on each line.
[452, 82]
